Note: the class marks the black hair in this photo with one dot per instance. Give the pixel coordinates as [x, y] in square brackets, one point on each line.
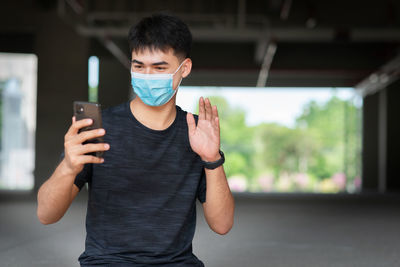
[161, 32]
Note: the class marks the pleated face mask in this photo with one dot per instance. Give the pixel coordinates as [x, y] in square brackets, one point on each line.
[154, 89]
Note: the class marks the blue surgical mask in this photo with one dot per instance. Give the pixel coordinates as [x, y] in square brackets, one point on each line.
[154, 89]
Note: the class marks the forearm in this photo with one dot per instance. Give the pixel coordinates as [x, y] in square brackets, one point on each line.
[219, 206]
[55, 195]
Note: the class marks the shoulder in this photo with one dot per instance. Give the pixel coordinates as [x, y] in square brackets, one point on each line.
[183, 114]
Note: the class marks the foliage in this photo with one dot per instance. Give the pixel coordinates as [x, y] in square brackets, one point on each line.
[312, 156]
[334, 127]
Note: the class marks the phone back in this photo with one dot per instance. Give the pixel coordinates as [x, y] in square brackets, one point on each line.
[85, 110]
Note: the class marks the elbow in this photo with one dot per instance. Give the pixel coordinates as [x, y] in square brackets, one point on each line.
[44, 222]
[44, 219]
[42, 212]
[223, 230]
[223, 227]
[44, 216]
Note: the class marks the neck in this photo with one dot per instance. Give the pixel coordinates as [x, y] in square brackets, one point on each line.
[156, 118]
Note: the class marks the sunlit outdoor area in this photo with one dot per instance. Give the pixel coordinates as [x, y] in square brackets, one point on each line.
[287, 139]
[18, 74]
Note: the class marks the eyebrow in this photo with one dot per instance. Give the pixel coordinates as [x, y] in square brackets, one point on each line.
[154, 64]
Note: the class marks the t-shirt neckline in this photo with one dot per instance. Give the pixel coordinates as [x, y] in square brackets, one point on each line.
[147, 129]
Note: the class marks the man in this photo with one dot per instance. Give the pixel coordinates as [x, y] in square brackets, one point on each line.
[158, 160]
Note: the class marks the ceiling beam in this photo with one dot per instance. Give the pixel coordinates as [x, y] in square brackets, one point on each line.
[380, 79]
[255, 35]
[266, 65]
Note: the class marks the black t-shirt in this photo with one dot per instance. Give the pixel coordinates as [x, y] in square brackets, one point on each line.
[142, 199]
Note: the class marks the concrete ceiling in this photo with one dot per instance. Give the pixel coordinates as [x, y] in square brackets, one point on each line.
[292, 43]
[318, 43]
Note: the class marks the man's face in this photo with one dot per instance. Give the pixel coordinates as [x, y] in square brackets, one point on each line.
[159, 62]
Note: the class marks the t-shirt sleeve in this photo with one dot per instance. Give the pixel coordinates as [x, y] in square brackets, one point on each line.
[84, 176]
[202, 188]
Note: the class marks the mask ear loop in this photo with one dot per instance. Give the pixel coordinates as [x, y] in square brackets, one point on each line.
[181, 77]
[178, 67]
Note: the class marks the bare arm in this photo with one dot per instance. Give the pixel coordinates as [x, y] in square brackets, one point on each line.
[57, 193]
[219, 207]
[205, 141]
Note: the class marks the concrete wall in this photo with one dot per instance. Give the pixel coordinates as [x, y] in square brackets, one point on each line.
[381, 140]
[114, 82]
[62, 78]
[370, 143]
[393, 137]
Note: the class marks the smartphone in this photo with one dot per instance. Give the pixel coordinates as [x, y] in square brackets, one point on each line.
[88, 110]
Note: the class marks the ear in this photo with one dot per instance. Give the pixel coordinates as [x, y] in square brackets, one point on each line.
[186, 67]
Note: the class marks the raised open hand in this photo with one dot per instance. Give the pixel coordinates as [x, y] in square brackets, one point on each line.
[205, 137]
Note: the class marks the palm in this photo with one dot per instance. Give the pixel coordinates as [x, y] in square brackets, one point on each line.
[204, 137]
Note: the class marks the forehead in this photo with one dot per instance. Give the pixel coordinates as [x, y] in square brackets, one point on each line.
[148, 55]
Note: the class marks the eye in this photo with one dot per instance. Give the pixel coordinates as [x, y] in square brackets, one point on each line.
[137, 66]
[160, 68]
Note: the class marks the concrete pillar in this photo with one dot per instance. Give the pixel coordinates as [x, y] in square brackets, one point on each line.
[381, 140]
[370, 143]
[62, 78]
[393, 137]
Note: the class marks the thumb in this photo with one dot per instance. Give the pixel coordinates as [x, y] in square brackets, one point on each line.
[191, 123]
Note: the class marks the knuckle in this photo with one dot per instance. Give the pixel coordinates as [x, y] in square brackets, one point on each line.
[85, 135]
[74, 161]
[88, 146]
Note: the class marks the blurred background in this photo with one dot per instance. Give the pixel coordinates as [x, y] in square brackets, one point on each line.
[307, 93]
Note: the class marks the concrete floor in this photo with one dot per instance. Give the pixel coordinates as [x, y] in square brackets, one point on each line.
[269, 230]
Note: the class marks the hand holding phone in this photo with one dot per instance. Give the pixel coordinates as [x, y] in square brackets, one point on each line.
[78, 142]
[88, 110]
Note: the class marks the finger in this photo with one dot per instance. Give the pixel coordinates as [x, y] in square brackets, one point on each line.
[208, 109]
[90, 159]
[88, 148]
[87, 135]
[191, 123]
[202, 112]
[76, 126]
[214, 112]
[216, 122]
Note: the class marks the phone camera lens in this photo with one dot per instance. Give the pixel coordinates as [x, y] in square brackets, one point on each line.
[79, 109]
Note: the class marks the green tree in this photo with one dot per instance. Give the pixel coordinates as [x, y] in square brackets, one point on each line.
[334, 128]
[281, 149]
[324, 141]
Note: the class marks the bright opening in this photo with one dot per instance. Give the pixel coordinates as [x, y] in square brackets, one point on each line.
[18, 76]
[93, 79]
[287, 139]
